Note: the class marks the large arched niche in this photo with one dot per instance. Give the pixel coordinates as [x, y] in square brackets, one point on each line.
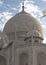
[41, 58]
[2, 60]
[23, 59]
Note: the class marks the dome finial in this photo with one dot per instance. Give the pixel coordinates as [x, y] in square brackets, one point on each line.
[23, 6]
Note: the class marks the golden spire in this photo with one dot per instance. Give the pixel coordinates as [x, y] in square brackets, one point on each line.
[23, 6]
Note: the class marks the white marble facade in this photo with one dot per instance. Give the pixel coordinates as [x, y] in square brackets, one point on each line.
[21, 42]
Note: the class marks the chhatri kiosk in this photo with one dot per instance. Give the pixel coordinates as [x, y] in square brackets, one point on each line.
[21, 42]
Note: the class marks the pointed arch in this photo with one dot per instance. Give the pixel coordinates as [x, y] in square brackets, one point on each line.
[2, 60]
[23, 59]
[41, 58]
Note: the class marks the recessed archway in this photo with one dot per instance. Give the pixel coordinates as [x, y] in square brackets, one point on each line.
[41, 58]
[23, 59]
[2, 60]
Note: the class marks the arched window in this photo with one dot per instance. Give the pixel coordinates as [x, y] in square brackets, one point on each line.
[41, 58]
[36, 41]
[28, 40]
[2, 60]
[23, 59]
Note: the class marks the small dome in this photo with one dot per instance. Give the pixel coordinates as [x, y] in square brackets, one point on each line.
[33, 33]
[4, 41]
[36, 33]
[23, 22]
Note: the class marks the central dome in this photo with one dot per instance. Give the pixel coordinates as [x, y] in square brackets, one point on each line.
[23, 21]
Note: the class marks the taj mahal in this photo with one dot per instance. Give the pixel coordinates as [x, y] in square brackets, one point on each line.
[21, 42]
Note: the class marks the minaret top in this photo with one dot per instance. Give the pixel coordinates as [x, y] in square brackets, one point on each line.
[23, 6]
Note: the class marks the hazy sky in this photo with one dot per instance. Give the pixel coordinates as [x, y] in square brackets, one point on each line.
[9, 8]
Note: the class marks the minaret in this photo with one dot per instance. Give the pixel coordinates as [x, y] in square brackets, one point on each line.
[23, 6]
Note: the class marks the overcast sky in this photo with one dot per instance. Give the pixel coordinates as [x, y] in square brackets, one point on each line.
[9, 8]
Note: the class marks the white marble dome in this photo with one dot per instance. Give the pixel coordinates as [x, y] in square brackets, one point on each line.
[23, 21]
